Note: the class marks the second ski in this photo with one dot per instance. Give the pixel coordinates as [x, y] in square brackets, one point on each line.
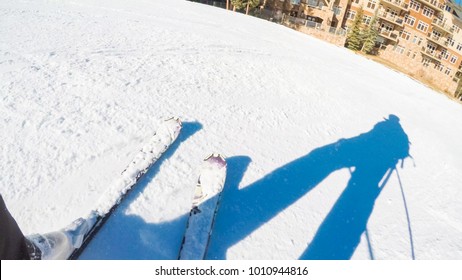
[204, 207]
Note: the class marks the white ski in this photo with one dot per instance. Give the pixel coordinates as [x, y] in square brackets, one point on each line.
[204, 207]
[69, 242]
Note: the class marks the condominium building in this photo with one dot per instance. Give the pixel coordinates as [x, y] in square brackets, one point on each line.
[327, 12]
[423, 35]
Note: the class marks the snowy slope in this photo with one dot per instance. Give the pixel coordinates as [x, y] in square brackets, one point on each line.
[84, 83]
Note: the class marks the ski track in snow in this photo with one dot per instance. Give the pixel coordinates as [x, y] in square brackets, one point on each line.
[84, 83]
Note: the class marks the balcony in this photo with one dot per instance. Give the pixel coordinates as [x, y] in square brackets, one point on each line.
[442, 25]
[397, 4]
[431, 54]
[391, 18]
[434, 4]
[441, 41]
[390, 35]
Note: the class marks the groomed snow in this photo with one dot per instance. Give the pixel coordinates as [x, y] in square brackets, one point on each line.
[84, 84]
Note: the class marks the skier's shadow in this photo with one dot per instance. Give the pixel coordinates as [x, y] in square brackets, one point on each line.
[371, 157]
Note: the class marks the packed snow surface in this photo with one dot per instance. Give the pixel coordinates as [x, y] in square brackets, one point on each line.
[329, 155]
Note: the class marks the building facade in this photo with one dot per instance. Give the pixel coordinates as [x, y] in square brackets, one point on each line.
[423, 35]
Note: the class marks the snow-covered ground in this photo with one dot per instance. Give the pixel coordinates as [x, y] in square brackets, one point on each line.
[310, 131]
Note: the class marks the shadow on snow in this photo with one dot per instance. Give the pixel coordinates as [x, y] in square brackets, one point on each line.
[371, 158]
[129, 236]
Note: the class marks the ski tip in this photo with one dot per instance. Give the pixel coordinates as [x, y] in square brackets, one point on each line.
[173, 119]
[173, 125]
[216, 159]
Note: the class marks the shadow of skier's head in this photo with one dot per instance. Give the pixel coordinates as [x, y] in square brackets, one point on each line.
[368, 156]
[384, 146]
[374, 156]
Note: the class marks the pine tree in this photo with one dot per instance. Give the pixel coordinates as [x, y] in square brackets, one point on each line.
[370, 35]
[354, 35]
[245, 4]
[237, 4]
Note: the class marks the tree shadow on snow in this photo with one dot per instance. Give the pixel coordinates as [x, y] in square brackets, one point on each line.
[371, 157]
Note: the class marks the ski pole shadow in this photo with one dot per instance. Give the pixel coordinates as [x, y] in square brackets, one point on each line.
[371, 157]
[125, 236]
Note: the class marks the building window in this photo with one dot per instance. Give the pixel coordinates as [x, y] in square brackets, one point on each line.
[436, 34]
[295, 2]
[414, 5]
[434, 2]
[406, 35]
[414, 55]
[315, 3]
[451, 42]
[431, 48]
[422, 26]
[371, 4]
[447, 71]
[445, 54]
[399, 49]
[417, 40]
[439, 67]
[386, 27]
[453, 59]
[447, 8]
[428, 12]
[367, 19]
[440, 16]
[351, 14]
[355, 1]
[312, 19]
[337, 10]
[392, 12]
[409, 20]
[455, 28]
[459, 47]
[426, 62]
